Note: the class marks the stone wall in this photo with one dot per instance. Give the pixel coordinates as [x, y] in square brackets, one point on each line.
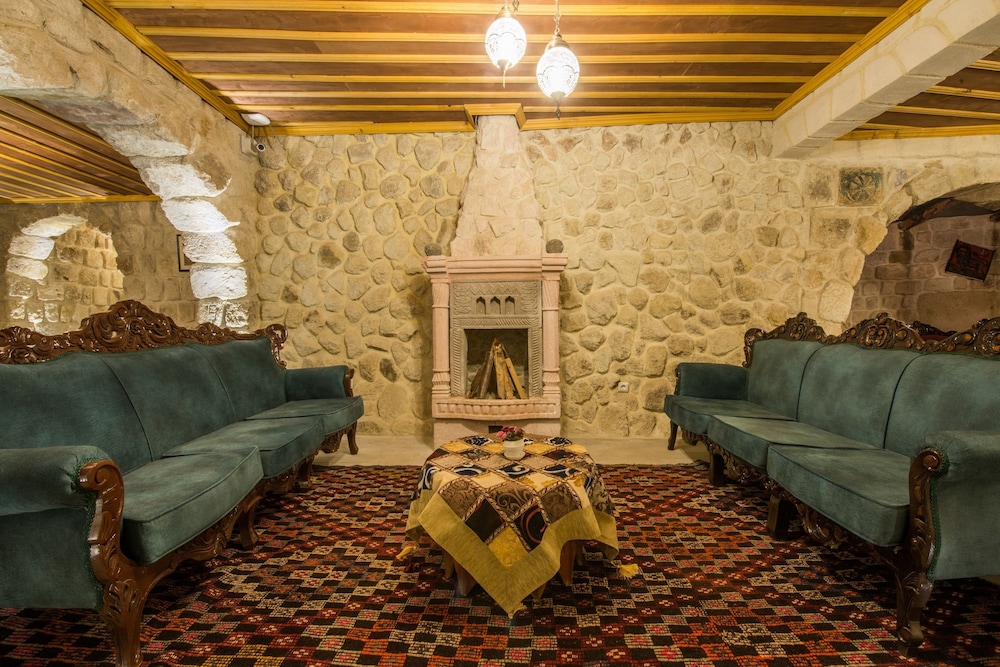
[343, 222]
[141, 244]
[906, 276]
[680, 238]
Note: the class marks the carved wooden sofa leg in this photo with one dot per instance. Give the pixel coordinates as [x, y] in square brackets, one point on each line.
[780, 512]
[672, 441]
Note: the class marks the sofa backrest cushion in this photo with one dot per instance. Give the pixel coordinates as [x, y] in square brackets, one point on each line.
[944, 392]
[73, 399]
[251, 376]
[176, 393]
[849, 390]
[776, 370]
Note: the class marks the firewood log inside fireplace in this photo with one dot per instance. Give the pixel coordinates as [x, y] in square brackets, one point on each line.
[496, 377]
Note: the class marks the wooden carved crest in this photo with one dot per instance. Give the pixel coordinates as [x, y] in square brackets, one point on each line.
[883, 332]
[800, 327]
[126, 326]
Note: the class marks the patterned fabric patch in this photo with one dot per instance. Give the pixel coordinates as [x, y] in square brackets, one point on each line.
[477, 440]
[561, 471]
[484, 521]
[510, 498]
[531, 526]
[559, 500]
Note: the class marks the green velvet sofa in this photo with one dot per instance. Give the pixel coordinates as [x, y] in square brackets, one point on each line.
[133, 444]
[875, 437]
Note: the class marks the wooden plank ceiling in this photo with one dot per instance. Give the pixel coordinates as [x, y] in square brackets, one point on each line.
[47, 160]
[357, 66]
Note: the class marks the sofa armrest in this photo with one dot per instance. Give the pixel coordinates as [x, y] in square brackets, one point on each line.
[44, 478]
[709, 380]
[321, 382]
[967, 455]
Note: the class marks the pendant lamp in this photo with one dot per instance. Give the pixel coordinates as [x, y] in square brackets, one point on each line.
[506, 40]
[558, 69]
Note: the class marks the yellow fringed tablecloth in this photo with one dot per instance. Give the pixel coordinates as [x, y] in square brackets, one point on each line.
[506, 522]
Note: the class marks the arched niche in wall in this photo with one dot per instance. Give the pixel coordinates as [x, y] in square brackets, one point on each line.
[912, 275]
[59, 270]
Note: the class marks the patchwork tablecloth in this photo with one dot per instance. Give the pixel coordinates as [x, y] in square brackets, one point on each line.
[505, 522]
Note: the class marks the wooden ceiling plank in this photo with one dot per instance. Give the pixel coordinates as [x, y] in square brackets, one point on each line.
[37, 201]
[32, 185]
[44, 137]
[490, 8]
[319, 78]
[483, 59]
[381, 38]
[42, 119]
[61, 187]
[81, 175]
[55, 152]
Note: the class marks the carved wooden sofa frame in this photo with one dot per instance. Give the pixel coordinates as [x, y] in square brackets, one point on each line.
[130, 326]
[910, 560]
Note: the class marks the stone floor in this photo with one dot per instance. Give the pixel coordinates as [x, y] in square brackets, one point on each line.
[413, 450]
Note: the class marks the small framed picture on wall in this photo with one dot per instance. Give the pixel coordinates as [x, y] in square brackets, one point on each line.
[969, 260]
[183, 263]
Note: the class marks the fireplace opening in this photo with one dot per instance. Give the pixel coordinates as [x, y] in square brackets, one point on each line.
[478, 347]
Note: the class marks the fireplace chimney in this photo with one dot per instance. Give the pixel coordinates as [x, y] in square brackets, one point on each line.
[499, 282]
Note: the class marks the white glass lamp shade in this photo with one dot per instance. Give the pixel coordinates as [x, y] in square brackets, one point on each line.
[558, 70]
[506, 42]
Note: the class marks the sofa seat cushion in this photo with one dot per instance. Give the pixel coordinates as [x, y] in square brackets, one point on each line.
[171, 500]
[750, 438]
[282, 443]
[862, 490]
[694, 414]
[336, 413]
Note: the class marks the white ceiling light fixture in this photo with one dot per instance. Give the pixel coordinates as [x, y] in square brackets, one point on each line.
[256, 119]
[506, 40]
[558, 69]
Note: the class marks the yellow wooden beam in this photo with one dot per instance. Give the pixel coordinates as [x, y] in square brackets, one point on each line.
[509, 109]
[922, 132]
[421, 79]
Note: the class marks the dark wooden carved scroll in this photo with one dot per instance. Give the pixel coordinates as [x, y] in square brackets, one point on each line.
[125, 327]
[800, 327]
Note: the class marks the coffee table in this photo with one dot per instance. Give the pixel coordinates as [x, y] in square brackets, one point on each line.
[510, 526]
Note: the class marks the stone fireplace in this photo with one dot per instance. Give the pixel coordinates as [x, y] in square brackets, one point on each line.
[497, 283]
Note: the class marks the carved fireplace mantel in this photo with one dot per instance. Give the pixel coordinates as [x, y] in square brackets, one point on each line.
[490, 295]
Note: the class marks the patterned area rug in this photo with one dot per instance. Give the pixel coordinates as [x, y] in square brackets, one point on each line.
[325, 588]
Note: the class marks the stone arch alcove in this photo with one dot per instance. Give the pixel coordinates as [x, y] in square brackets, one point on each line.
[907, 274]
[59, 270]
[185, 151]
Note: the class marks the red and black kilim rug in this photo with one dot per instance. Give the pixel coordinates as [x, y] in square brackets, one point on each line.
[325, 588]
